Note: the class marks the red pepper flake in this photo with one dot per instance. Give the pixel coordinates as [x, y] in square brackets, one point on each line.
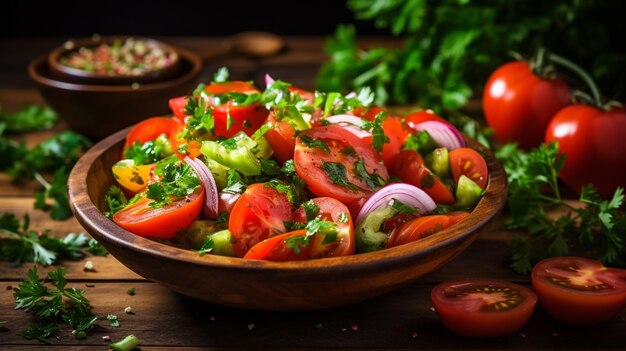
[344, 329]
[211, 317]
[9, 287]
[354, 327]
[414, 334]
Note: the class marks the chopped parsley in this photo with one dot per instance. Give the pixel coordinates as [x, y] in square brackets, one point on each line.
[403, 208]
[221, 75]
[376, 128]
[372, 180]
[115, 200]
[311, 210]
[348, 151]
[337, 174]
[314, 143]
[150, 151]
[178, 181]
[229, 143]
[343, 217]
[53, 306]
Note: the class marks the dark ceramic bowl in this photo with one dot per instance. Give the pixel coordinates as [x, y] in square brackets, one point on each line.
[69, 74]
[99, 110]
[265, 285]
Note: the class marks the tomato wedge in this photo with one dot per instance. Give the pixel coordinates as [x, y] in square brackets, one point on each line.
[468, 162]
[483, 307]
[578, 290]
[177, 105]
[335, 163]
[150, 129]
[193, 146]
[230, 117]
[411, 168]
[258, 214]
[164, 222]
[331, 210]
[281, 137]
[276, 249]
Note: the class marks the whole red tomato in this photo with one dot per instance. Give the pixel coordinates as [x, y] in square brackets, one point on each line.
[518, 104]
[594, 145]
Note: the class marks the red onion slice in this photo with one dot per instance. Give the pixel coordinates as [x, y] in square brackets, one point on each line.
[405, 193]
[210, 188]
[268, 80]
[351, 123]
[443, 134]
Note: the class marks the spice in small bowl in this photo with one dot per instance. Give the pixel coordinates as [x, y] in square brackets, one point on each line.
[114, 60]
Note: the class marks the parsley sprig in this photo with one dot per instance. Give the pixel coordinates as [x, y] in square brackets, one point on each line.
[53, 306]
[18, 243]
[597, 229]
[178, 180]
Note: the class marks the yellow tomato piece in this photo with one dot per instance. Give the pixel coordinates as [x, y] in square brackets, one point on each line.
[130, 176]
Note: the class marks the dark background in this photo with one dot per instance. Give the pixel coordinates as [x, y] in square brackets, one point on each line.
[175, 17]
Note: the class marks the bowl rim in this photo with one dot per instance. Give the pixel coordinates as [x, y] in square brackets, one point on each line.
[184, 54]
[55, 55]
[94, 221]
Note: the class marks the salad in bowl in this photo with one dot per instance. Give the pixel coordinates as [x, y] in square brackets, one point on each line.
[284, 174]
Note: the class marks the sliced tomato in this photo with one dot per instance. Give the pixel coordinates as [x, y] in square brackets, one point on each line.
[483, 307]
[328, 159]
[578, 290]
[413, 119]
[164, 222]
[418, 228]
[258, 214]
[468, 162]
[333, 211]
[177, 105]
[150, 129]
[277, 249]
[229, 117]
[369, 113]
[193, 146]
[282, 138]
[411, 168]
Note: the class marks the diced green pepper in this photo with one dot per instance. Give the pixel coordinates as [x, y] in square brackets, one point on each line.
[468, 193]
[439, 162]
[367, 233]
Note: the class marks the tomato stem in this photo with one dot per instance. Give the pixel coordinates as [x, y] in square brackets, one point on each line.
[595, 92]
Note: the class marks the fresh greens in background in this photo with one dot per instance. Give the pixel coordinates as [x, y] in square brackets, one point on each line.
[19, 243]
[55, 156]
[452, 46]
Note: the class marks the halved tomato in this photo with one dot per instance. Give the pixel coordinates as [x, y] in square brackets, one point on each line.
[258, 214]
[483, 307]
[335, 163]
[164, 222]
[578, 290]
[468, 162]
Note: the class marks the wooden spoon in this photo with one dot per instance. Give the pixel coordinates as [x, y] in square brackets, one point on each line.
[251, 44]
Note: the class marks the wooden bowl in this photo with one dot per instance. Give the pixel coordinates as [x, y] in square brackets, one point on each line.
[265, 285]
[74, 75]
[99, 110]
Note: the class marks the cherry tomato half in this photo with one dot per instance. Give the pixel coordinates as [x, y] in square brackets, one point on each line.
[258, 214]
[578, 290]
[468, 162]
[327, 157]
[483, 307]
[163, 222]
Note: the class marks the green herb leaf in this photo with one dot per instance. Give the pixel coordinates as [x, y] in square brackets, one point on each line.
[30, 118]
[337, 174]
[372, 180]
[313, 143]
[221, 75]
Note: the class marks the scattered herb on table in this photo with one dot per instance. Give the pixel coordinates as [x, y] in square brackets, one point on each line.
[54, 305]
[19, 243]
[131, 291]
[56, 155]
[596, 229]
[30, 118]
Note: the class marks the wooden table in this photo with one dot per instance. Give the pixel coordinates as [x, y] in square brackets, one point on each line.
[164, 320]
